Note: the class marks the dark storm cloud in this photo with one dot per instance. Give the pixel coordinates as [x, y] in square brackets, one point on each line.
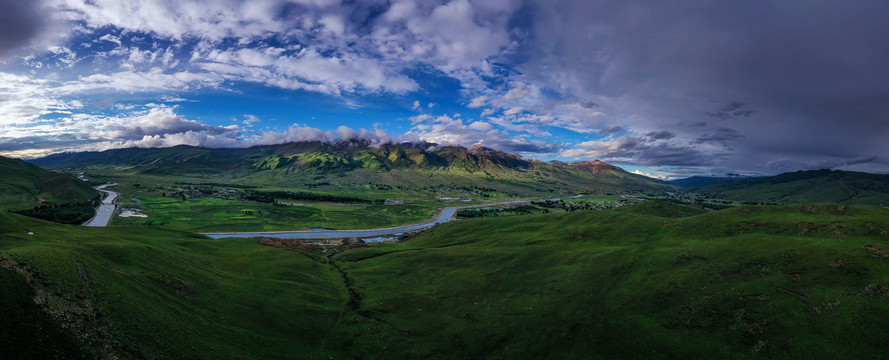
[721, 135]
[38, 142]
[589, 104]
[783, 165]
[528, 146]
[660, 135]
[646, 151]
[815, 70]
[731, 110]
[664, 154]
[609, 130]
[20, 22]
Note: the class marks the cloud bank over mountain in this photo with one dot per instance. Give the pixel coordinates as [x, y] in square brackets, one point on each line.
[678, 88]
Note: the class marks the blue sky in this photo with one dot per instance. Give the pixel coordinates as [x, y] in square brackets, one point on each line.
[670, 89]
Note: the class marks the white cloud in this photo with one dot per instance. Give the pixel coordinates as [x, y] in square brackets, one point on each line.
[153, 80]
[420, 118]
[517, 93]
[477, 102]
[451, 130]
[156, 122]
[110, 38]
[513, 111]
[481, 126]
[654, 175]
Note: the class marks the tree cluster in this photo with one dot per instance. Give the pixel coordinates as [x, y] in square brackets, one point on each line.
[71, 213]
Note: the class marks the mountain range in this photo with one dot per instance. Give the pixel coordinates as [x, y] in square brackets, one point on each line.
[416, 165]
[807, 186]
[407, 164]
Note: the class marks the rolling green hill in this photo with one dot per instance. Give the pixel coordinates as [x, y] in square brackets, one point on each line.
[811, 186]
[24, 186]
[654, 280]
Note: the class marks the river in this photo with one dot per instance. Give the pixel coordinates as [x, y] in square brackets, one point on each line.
[446, 214]
[106, 210]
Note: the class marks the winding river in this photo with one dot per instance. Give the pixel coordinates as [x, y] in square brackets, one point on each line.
[446, 214]
[106, 210]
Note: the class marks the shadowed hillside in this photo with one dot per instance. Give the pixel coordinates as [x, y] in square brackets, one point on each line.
[811, 186]
[24, 186]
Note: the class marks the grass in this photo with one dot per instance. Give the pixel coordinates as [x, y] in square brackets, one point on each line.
[635, 282]
[168, 294]
[27, 331]
[653, 280]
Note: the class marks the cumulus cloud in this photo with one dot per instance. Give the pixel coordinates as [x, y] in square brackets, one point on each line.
[477, 102]
[418, 30]
[481, 126]
[296, 133]
[451, 130]
[312, 45]
[156, 122]
[161, 126]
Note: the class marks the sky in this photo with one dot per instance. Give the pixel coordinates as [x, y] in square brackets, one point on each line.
[664, 88]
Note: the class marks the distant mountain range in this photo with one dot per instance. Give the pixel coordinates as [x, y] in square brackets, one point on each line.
[800, 187]
[24, 186]
[425, 164]
[694, 182]
[412, 164]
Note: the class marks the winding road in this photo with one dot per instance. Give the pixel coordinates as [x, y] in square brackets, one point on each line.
[106, 210]
[446, 214]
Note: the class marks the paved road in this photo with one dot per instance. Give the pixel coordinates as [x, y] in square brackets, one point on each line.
[446, 215]
[106, 210]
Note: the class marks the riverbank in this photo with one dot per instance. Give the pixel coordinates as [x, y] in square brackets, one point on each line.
[105, 211]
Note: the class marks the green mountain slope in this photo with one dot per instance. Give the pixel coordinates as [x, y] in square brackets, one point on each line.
[636, 282]
[24, 186]
[811, 186]
[605, 171]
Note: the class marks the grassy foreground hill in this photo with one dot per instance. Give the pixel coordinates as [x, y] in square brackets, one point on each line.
[24, 186]
[653, 280]
[810, 186]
